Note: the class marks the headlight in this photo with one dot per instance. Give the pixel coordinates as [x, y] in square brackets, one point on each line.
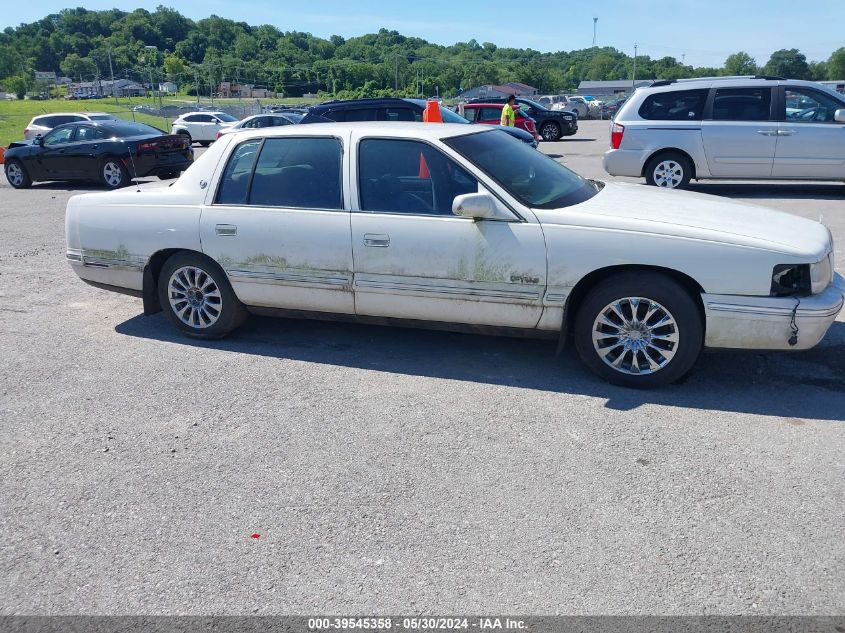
[821, 274]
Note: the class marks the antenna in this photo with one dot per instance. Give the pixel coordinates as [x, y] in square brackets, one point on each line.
[134, 169]
[595, 21]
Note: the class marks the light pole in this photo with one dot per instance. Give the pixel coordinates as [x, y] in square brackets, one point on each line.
[634, 77]
[595, 20]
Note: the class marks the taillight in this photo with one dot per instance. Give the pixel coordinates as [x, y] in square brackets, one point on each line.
[147, 147]
[25, 132]
[616, 132]
[219, 134]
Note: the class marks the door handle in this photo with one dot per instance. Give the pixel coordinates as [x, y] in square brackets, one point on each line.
[786, 132]
[378, 240]
[767, 132]
[226, 230]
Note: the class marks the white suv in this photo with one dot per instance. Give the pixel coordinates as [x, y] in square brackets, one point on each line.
[43, 123]
[731, 128]
[203, 126]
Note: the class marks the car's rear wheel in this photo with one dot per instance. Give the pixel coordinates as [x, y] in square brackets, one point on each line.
[113, 174]
[197, 298]
[639, 329]
[669, 170]
[550, 131]
[17, 175]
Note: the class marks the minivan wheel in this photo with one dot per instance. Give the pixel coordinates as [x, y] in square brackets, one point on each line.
[550, 131]
[197, 298]
[639, 329]
[670, 171]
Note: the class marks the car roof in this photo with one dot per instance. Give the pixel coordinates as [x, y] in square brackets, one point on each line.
[398, 129]
[737, 81]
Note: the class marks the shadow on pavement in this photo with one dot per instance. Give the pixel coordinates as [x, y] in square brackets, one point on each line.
[807, 384]
[769, 190]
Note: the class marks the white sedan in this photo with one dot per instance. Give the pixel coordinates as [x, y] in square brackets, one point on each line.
[257, 121]
[458, 227]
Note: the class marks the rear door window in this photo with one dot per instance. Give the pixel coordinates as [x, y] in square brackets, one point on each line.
[470, 114]
[89, 133]
[235, 182]
[676, 105]
[742, 104]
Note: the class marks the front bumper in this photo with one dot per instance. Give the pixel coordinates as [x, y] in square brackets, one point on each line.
[764, 322]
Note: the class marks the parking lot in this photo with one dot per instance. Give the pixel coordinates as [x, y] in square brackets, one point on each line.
[400, 471]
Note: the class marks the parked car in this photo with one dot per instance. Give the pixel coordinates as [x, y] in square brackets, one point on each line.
[261, 120]
[491, 114]
[43, 123]
[390, 109]
[464, 227]
[613, 106]
[579, 105]
[551, 125]
[731, 127]
[111, 152]
[202, 127]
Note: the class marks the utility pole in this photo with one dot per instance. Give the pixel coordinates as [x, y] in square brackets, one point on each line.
[111, 72]
[595, 20]
[211, 83]
[634, 78]
[197, 85]
[396, 64]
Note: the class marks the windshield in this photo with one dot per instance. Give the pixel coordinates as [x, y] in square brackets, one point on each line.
[532, 177]
[225, 117]
[534, 104]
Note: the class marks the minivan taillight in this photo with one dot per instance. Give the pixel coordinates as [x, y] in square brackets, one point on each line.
[25, 131]
[616, 132]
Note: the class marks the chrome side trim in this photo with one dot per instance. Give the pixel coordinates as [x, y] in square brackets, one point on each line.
[774, 311]
[290, 277]
[100, 262]
[448, 290]
[556, 297]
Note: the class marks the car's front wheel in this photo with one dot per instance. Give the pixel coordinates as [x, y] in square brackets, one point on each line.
[639, 329]
[17, 175]
[669, 170]
[550, 132]
[197, 298]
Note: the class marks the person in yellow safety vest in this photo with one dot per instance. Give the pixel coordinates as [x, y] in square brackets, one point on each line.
[508, 115]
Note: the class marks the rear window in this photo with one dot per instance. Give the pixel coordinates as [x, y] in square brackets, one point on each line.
[223, 116]
[131, 129]
[677, 105]
[101, 117]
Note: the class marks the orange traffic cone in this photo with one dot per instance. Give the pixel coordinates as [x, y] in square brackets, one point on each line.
[423, 172]
[432, 112]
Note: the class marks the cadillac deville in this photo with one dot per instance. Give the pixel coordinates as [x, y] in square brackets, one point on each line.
[453, 227]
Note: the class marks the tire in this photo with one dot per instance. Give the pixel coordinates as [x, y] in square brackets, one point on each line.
[550, 131]
[195, 287]
[113, 174]
[669, 170]
[205, 143]
[17, 175]
[169, 175]
[647, 355]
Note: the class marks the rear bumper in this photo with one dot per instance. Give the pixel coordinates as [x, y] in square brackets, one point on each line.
[153, 166]
[625, 162]
[764, 322]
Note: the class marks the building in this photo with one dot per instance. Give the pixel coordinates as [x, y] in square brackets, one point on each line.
[104, 88]
[610, 88]
[228, 90]
[492, 91]
[168, 87]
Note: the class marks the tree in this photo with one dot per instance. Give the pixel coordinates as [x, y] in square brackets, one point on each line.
[788, 63]
[79, 67]
[174, 65]
[836, 65]
[740, 63]
[18, 85]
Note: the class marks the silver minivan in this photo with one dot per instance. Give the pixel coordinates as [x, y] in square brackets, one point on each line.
[731, 128]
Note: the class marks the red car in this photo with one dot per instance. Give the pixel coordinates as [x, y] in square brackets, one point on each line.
[491, 114]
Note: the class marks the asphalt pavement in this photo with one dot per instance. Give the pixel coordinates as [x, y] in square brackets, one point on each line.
[305, 467]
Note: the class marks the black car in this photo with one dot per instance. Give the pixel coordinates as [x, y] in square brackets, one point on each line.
[110, 152]
[390, 109]
[551, 124]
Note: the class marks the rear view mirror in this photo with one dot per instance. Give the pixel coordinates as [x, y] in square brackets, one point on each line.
[839, 115]
[479, 206]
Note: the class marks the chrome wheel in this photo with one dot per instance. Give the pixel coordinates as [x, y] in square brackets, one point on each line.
[550, 132]
[112, 174]
[194, 297]
[15, 174]
[635, 336]
[668, 173]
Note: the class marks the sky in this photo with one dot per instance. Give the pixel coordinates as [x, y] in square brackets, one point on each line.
[699, 33]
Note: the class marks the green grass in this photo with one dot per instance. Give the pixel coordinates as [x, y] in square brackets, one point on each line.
[15, 115]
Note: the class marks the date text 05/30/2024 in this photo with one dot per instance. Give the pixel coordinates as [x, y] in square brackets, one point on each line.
[415, 624]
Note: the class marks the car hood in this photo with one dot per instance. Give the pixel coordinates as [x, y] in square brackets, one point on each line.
[640, 208]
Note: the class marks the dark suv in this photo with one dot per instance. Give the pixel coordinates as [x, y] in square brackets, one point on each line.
[389, 109]
[551, 124]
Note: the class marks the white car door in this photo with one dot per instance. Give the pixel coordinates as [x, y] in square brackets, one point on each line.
[276, 223]
[414, 259]
[741, 135]
[810, 142]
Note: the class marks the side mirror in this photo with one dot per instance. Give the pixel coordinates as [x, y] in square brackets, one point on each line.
[839, 115]
[479, 206]
[39, 140]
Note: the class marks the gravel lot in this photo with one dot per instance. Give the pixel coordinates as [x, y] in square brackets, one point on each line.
[399, 471]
